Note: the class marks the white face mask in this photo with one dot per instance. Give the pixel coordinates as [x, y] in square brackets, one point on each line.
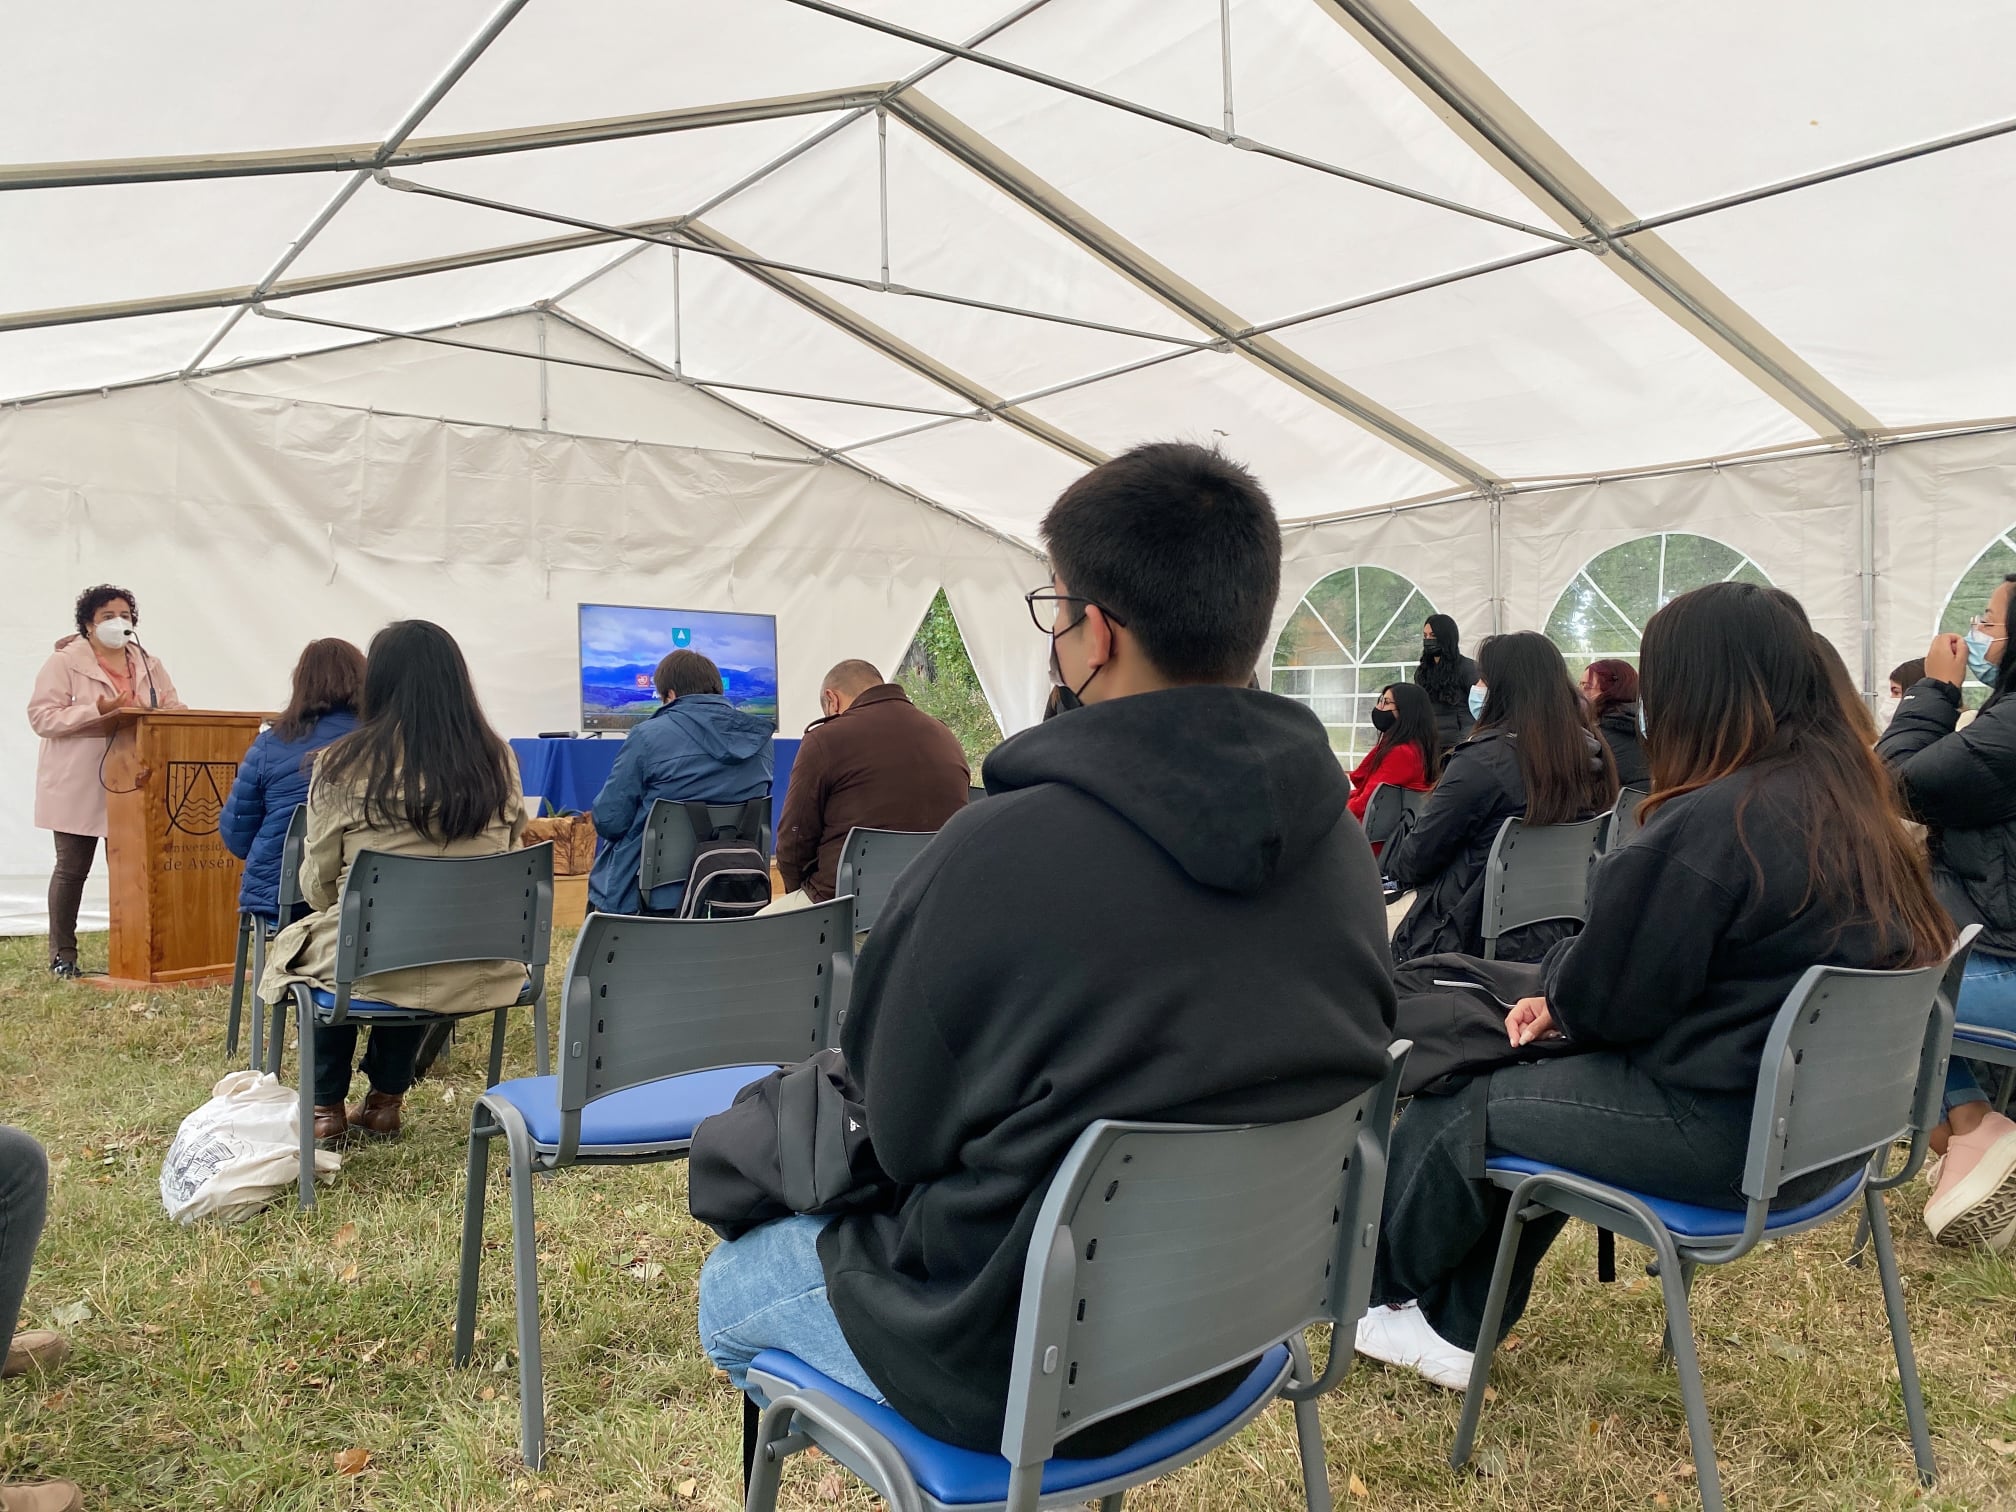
[113, 634]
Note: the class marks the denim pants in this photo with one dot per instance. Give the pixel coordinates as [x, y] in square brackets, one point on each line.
[389, 1055]
[1596, 1114]
[1988, 998]
[24, 1202]
[767, 1290]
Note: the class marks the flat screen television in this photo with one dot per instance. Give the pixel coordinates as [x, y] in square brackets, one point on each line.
[621, 646]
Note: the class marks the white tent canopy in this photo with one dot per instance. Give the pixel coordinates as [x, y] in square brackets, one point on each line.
[1478, 292]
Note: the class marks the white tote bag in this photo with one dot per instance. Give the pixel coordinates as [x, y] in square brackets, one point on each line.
[238, 1151]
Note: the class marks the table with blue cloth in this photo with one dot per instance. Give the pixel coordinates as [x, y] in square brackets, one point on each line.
[568, 774]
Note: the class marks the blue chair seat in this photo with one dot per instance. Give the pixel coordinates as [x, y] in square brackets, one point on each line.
[324, 999]
[1982, 1035]
[963, 1477]
[1691, 1222]
[641, 1120]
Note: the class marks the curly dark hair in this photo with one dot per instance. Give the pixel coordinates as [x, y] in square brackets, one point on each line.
[91, 600]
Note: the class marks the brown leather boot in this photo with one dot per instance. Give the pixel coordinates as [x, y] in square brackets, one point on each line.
[330, 1124]
[377, 1115]
[38, 1349]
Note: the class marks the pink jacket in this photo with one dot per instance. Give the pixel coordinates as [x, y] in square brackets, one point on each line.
[63, 710]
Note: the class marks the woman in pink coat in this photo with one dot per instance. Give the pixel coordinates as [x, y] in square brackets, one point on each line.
[94, 674]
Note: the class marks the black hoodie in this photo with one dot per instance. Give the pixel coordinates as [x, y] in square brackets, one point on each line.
[1157, 914]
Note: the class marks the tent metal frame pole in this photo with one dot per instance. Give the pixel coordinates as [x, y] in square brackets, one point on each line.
[1178, 123]
[1497, 498]
[1225, 59]
[1866, 519]
[678, 238]
[882, 184]
[545, 408]
[460, 64]
[792, 154]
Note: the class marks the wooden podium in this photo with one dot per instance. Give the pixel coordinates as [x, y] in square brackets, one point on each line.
[174, 885]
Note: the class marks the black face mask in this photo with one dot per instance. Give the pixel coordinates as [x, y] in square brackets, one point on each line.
[1431, 647]
[1066, 697]
[1383, 720]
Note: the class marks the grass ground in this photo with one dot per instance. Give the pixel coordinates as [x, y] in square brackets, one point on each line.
[230, 1367]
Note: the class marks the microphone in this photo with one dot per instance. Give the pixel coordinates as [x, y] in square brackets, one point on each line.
[147, 666]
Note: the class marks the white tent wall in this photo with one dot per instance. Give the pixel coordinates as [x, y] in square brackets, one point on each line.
[1444, 550]
[248, 524]
[1939, 504]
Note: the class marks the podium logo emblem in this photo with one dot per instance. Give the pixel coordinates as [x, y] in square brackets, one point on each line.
[196, 792]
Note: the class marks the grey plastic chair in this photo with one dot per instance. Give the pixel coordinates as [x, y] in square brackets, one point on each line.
[260, 934]
[870, 863]
[1624, 817]
[1537, 872]
[1163, 1255]
[669, 843]
[1856, 1060]
[975, 793]
[1386, 808]
[400, 911]
[663, 1021]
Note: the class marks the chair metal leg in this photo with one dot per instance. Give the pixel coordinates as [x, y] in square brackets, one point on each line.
[1900, 1336]
[496, 1048]
[1687, 1269]
[305, 1014]
[259, 939]
[481, 1131]
[1487, 1334]
[766, 1463]
[1674, 1276]
[1308, 1436]
[1861, 1240]
[2008, 1087]
[1118, 1499]
[542, 1056]
[1606, 1255]
[525, 1283]
[237, 987]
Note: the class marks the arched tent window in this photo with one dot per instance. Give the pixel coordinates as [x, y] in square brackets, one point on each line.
[1970, 596]
[1353, 633]
[1603, 610]
[938, 675]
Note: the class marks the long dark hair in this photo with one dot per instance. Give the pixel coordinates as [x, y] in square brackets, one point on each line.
[1734, 677]
[2005, 671]
[329, 676]
[1413, 724]
[424, 755]
[1441, 675]
[1616, 683]
[1568, 772]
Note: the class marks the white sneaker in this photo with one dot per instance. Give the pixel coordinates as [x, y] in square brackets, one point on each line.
[1401, 1336]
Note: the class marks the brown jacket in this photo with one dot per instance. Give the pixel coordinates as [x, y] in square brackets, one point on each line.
[882, 764]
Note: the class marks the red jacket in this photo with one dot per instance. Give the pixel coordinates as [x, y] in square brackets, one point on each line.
[1400, 765]
[881, 764]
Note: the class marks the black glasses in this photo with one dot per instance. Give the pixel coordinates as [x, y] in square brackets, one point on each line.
[1047, 598]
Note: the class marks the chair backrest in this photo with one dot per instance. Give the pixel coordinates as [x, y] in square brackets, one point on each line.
[870, 863]
[1856, 1060]
[1385, 808]
[1537, 872]
[669, 839]
[399, 911]
[975, 793]
[653, 997]
[1164, 1255]
[289, 897]
[1624, 817]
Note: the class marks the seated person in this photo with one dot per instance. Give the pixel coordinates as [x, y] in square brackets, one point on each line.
[1906, 675]
[423, 774]
[1531, 754]
[876, 761]
[272, 777]
[1962, 784]
[1610, 688]
[1408, 752]
[24, 1203]
[1161, 911]
[1772, 842]
[696, 747]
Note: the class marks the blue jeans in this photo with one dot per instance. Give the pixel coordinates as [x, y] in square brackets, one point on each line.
[1988, 998]
[767, 1290]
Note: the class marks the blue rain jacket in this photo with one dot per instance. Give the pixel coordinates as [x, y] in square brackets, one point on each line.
[272, 782]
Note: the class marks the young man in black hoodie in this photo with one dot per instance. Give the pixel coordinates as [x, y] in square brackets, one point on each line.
[1161, 911]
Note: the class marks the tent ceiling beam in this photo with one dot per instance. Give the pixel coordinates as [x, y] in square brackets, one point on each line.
[1175, 122]
[818, 302]
[1493, 124]
[449, 77]
[793, 153]
[656, 375]
[367, 155]
[967, 147]
[677, 241]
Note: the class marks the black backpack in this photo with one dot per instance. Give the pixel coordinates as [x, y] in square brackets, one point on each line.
[730, 875]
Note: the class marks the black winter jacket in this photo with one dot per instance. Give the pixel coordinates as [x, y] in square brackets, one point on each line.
[1453, 720]
[1444, 854]
[1619, 729]
[1161, 911]
[1961, 784]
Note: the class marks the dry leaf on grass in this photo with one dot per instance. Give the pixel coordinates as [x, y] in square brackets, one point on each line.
[255, 1287]
[2000, 1445]
[70, 1314]
[644, 1270]
[487, 1394]
[828, 1488]
[343, 1236]
[350, 1272]
[686, 1488]
[1358, 1486]
[352, 1461]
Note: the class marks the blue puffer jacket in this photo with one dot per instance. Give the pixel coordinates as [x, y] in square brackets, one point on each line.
[697, 749]
[272, 783]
